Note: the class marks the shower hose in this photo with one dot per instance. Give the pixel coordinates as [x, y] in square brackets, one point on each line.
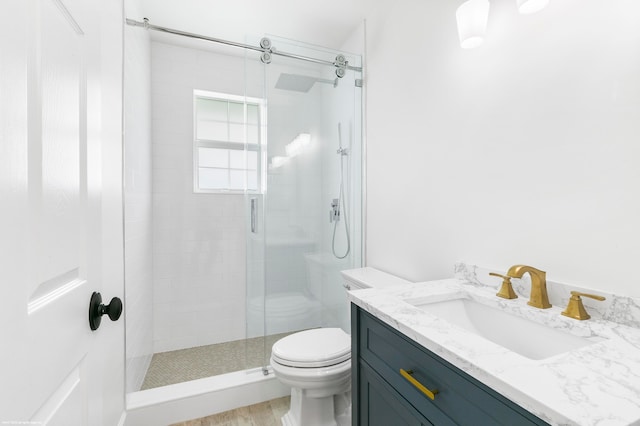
[341, 200]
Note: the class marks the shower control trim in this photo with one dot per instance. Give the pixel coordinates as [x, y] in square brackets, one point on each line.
[334, 213]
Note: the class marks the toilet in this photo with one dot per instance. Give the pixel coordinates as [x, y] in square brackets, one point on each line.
[316, 364]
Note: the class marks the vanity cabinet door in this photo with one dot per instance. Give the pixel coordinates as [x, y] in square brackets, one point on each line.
[460, 399]
[380, 405]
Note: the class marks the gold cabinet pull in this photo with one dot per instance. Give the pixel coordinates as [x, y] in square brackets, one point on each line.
[407, 374]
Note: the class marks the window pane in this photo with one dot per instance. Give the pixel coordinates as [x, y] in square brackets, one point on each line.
[213, 157]
[236, 159]
[236, 112]
[211, 109]
[252, 133]
[252, 114]
[213, 178]
[252, 160]
[212, 131]
[236, 133]
[237, 179]
[252, 179]
[221, 125]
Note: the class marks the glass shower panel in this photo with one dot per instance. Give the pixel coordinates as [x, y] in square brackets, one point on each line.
[313, 157]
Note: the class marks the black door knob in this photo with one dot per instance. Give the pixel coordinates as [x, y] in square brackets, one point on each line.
[97, 310]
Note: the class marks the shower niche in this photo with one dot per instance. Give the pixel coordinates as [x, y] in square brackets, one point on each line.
[226, 271]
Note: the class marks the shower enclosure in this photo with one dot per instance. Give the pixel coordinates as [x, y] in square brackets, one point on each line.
[243, 206]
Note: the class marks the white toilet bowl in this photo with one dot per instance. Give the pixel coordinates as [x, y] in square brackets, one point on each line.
[317, 365]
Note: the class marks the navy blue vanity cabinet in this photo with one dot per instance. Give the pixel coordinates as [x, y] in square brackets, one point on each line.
[383, 397]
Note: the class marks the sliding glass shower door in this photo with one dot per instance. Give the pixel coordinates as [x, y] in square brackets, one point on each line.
[305, 223]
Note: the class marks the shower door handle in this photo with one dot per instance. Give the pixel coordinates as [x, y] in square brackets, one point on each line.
[254, 205]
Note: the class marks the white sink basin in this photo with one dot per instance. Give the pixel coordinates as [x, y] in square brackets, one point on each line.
[525, 337]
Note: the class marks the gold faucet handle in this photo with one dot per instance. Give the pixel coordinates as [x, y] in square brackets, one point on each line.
[506, 289]
[493, 274]
[592, 296]
[575, 308]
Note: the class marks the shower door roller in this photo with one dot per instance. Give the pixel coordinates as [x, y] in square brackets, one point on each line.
[97, 310]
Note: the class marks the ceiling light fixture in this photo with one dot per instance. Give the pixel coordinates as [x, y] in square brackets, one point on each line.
[531, 6]
[472, 18]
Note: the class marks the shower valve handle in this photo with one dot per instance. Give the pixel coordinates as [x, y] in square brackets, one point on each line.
[334, 213]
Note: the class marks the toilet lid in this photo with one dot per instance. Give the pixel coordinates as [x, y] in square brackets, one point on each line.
[319, 347]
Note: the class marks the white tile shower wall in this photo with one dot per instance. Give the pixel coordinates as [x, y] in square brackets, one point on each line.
[340, 109]
[137, 210]
[293, 201]
[199, 239]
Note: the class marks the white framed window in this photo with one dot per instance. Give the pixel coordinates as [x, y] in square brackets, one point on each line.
[227, 138]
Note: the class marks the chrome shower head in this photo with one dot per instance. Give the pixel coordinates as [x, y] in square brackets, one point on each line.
[300, 83]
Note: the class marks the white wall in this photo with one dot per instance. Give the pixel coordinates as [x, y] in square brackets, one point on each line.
[198, 239]
[137, 211]
[521, 151]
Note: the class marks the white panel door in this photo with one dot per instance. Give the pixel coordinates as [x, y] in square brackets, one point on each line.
[52, 248]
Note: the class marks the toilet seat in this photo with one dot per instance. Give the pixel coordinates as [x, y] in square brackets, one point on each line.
[320, 347]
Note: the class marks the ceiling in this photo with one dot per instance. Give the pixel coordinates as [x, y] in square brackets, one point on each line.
[326, 23]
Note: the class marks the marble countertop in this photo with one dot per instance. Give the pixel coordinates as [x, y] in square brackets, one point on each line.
[598, 384]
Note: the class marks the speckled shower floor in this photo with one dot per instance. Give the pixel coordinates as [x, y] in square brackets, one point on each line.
[168, 368]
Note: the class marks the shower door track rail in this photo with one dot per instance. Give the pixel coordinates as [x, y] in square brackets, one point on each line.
[270, 50]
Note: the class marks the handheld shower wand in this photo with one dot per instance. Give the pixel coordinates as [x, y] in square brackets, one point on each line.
[335, 205]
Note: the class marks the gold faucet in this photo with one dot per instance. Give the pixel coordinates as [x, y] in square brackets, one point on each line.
[539, 297]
